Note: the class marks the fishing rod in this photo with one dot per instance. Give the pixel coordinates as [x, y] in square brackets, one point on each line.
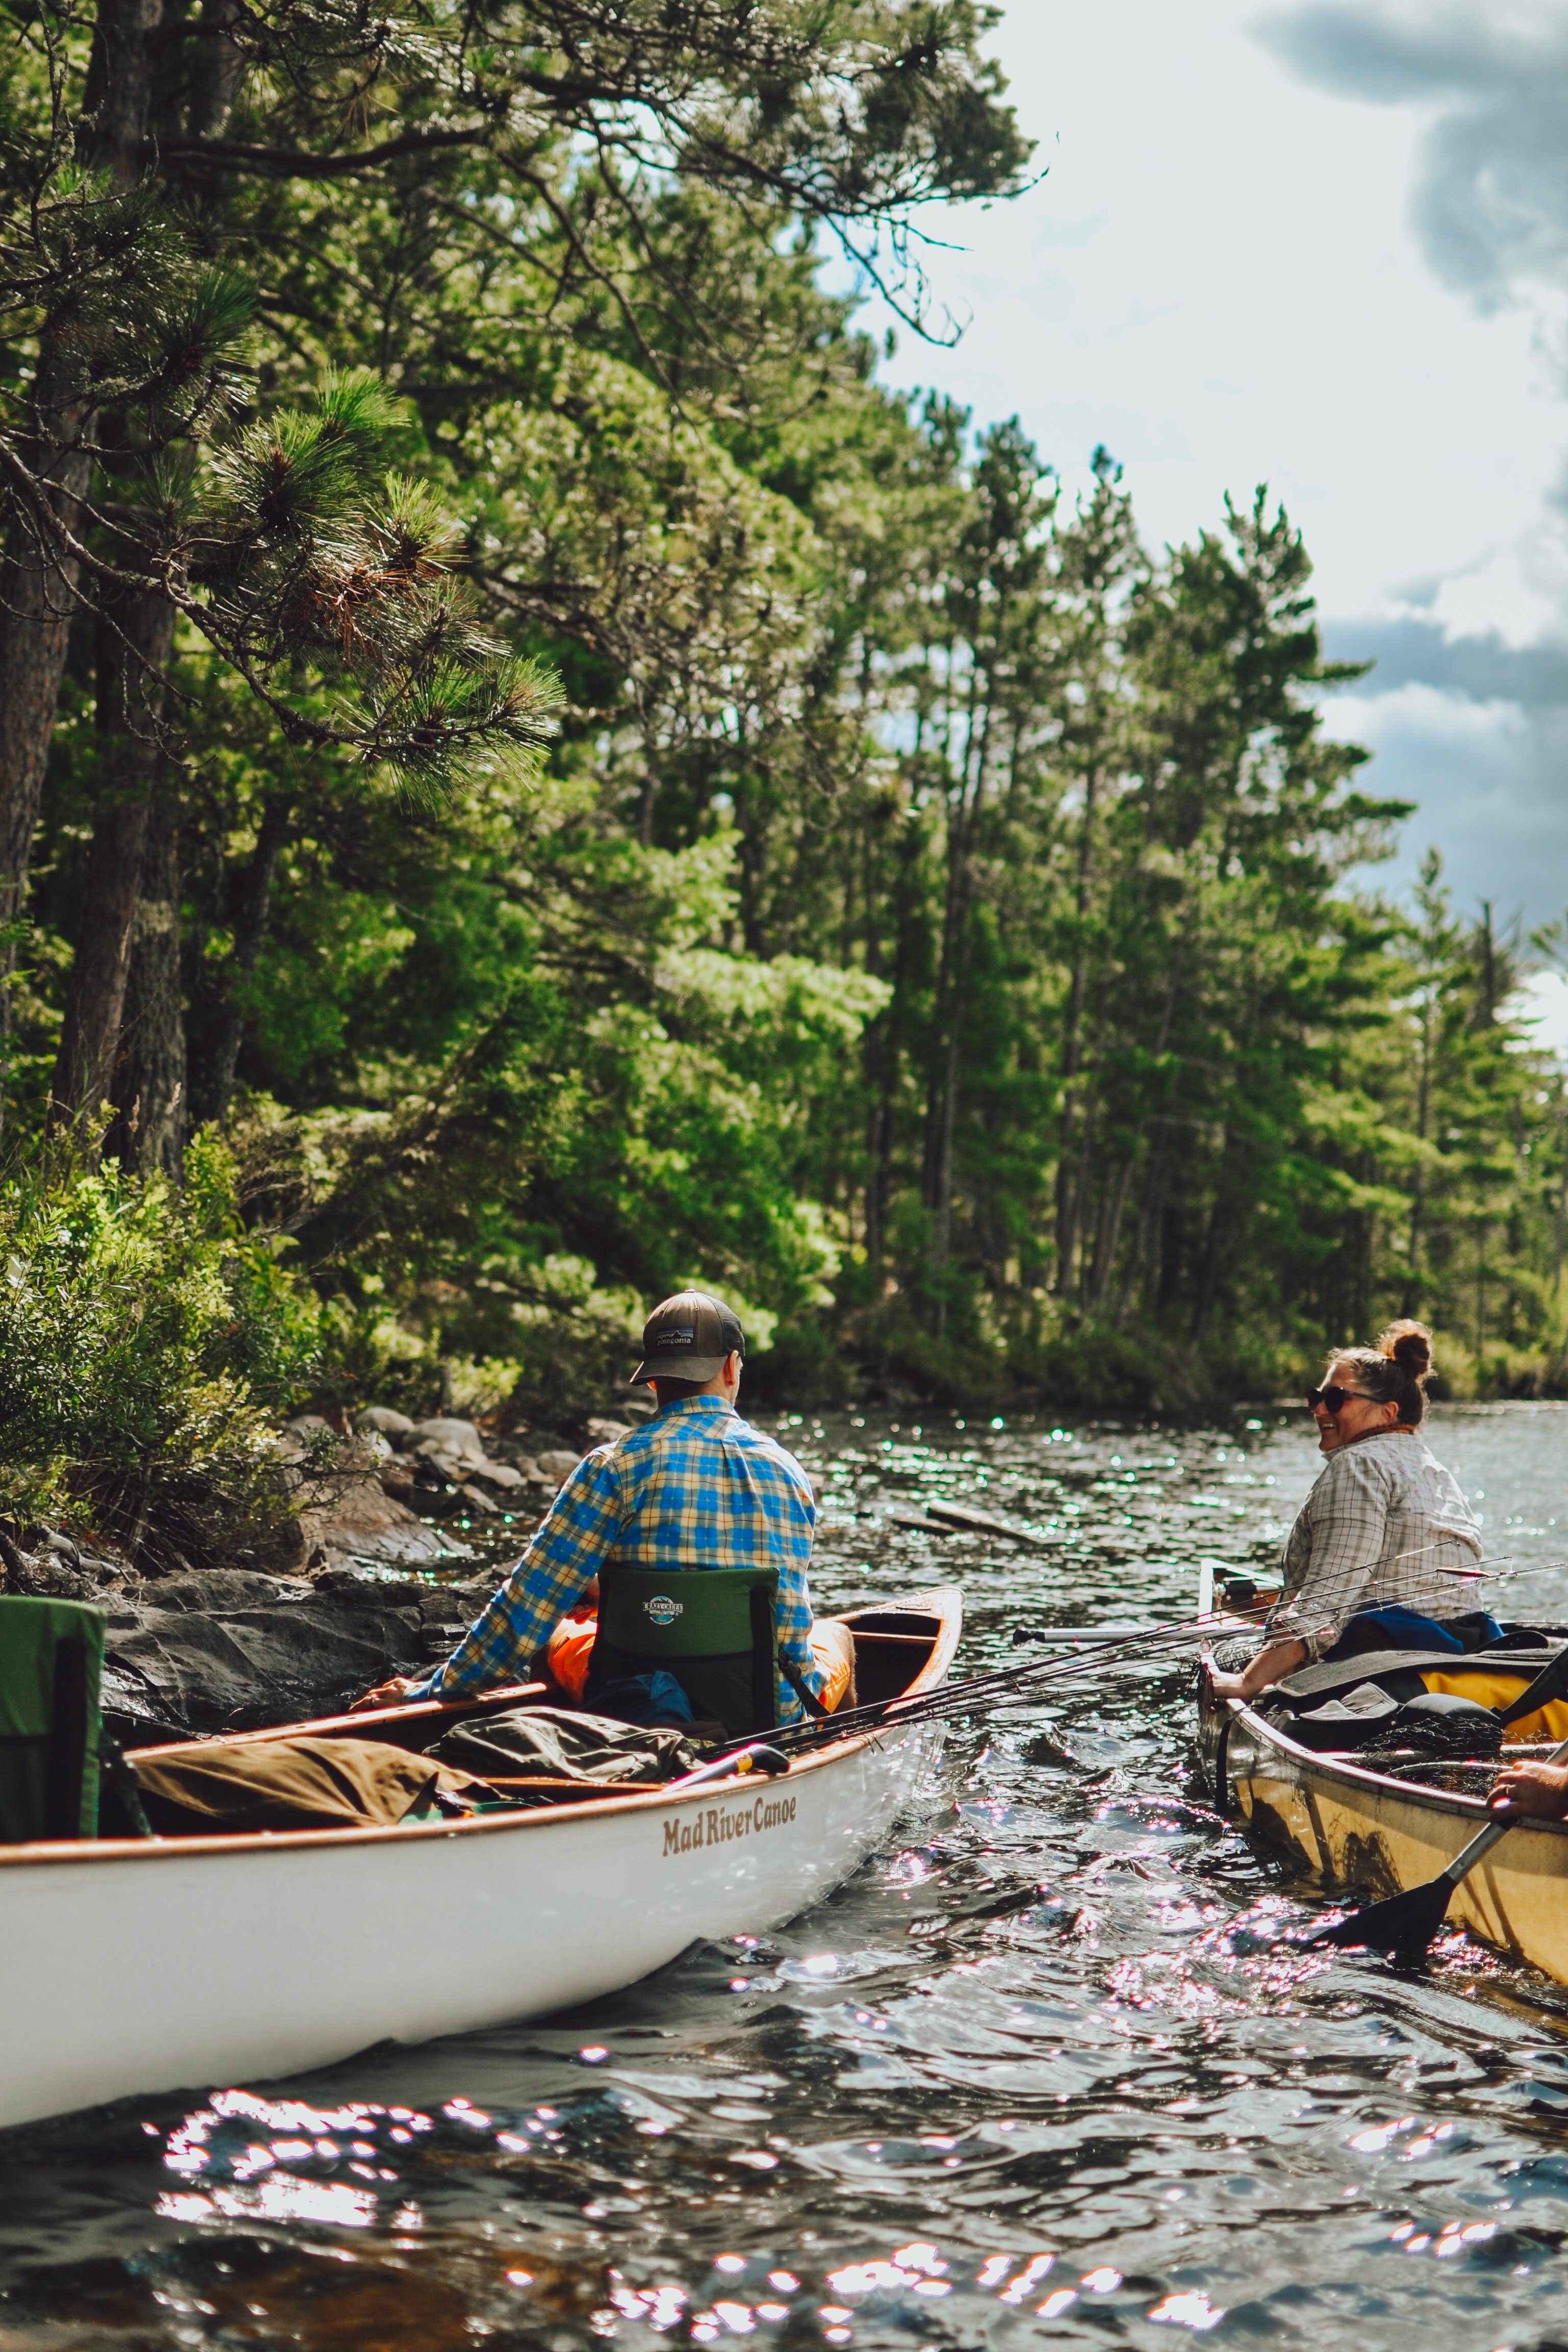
[954, 1698]
[1147, 1641]
[1485, 1573]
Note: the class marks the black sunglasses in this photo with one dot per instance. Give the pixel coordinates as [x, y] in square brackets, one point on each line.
[1332, 1397]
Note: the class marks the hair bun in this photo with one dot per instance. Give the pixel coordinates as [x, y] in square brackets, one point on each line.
[1410, 1345]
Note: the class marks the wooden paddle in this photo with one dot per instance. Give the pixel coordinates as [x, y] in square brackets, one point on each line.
[1406, 1924]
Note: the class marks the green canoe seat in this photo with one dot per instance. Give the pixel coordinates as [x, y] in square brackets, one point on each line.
[714, 1629]
[51, 1668]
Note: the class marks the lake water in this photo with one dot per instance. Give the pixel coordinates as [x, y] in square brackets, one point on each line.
[1021, 2081]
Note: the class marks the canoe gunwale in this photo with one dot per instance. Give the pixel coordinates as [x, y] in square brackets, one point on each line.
[943, 1602]
[1332, 1766]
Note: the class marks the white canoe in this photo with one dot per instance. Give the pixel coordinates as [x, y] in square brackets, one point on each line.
[136, 1965]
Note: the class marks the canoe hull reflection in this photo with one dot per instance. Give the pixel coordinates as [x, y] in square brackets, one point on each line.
[128, 1966]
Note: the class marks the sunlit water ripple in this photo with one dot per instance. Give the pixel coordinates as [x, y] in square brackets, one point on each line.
[1040, 2072]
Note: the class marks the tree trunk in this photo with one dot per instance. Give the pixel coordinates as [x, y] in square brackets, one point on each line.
[254, 898]
[952, 978]
[879, 1140]
[149, 1083]
[119, 92]
[217, 71]
[1224, 1217]
[38, 598]
[1173, 1245]
[1069, 1195]
[1105, 1260]
[136, 638]
[1411, 1304]
[37, 581]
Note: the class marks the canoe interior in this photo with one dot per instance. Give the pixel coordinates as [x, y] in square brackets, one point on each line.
[894, 1648]
[898, 1648]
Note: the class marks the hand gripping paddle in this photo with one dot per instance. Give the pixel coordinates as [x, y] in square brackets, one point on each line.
[1406, 1924]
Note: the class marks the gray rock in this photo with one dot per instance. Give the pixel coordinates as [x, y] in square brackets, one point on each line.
[361, 1521]
[398, 1479]
[189, 1671]
[452, 1436]
[607, 1433]
[46, 1576]
[224, 1588]
[443, 1457]
[173, 1672]
[482, 1506]
[109, 1571]
[306, 1439]
[558, 1467]
[460, 1468]
[499, 1474]
[383, 1422]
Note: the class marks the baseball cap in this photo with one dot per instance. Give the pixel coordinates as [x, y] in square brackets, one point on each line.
[687, 1338]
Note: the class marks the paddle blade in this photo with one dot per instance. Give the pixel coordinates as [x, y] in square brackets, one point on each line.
[1403, 1924]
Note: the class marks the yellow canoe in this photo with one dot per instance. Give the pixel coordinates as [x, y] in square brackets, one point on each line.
[1356, 1827]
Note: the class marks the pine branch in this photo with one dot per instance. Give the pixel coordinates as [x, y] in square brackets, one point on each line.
[300, 163]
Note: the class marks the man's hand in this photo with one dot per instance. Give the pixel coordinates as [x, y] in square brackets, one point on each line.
[1539, 1791]
[395, 1693]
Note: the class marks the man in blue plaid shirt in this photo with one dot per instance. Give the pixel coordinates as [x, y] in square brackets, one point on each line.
[694, 1487]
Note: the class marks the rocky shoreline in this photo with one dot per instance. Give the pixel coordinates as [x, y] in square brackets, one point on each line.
[378, 1573]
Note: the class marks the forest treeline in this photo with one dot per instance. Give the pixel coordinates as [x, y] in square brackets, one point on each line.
[532, 772]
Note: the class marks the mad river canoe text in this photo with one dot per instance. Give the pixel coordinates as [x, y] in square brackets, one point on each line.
[720, 1824]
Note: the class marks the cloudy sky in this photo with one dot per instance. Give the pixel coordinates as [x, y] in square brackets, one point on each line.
[1325, 247]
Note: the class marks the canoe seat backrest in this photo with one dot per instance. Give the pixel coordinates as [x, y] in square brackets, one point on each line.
[714, 1629]
[51, 1667]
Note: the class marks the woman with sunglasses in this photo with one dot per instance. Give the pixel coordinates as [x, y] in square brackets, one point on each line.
[1381, 1549]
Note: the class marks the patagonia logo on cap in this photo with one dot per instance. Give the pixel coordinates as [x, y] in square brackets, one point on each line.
[690, 1338]
[663, 1610]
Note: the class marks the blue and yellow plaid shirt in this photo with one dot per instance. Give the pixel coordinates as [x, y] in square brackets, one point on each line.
[694, 1487]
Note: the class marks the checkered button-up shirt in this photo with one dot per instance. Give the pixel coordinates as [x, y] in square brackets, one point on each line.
[1385, 1525]
[694, 1487]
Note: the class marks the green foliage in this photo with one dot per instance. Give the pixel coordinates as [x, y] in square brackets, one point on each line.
[146, 1338]
[654, 804]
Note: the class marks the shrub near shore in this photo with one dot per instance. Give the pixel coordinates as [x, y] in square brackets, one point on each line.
[152, 1342]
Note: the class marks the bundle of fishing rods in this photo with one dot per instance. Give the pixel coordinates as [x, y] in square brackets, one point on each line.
[949, 1701]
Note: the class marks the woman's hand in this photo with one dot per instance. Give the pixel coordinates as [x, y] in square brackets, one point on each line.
[1275, 1659]
[1539, 1791]
[398, 1692]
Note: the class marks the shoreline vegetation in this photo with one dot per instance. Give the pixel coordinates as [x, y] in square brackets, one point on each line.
[534, 773]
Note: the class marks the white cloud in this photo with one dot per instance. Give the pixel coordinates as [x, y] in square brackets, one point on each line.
[1542, 1001]
[1428, 718]
[1324, 248]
